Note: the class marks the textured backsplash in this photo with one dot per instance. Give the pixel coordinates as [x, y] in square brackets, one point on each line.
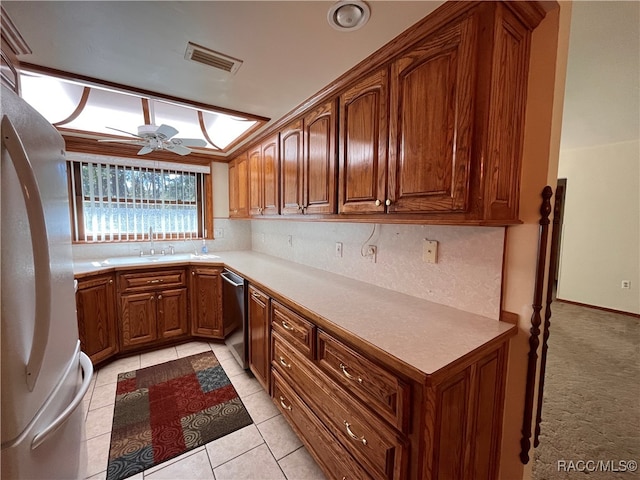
[467, 276]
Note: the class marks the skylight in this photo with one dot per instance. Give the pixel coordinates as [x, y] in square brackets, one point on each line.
[90, 110]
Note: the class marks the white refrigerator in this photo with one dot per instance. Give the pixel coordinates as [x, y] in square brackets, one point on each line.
[44, 373]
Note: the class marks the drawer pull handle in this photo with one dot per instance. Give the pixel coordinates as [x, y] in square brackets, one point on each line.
[353, 435]
[255, 294]
[286, 326]
[284, 363]
[348, 375]
[284, 405]
[155, 281]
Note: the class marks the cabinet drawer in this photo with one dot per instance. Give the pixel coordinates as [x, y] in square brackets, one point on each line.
[152, 280]
[295, 329]
[367, 437]
[386, 394]
[335, 461]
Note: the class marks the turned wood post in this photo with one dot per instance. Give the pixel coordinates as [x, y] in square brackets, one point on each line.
[536, 320]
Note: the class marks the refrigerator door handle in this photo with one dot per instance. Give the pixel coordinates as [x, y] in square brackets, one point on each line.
[87, 371]
[39, 244]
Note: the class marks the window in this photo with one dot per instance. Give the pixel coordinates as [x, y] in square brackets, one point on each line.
[127, 200]
[88, 109]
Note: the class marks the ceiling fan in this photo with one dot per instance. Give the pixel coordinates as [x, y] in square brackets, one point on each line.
[153, 138]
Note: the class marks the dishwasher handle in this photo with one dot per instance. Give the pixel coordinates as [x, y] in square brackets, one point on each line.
[227, 278]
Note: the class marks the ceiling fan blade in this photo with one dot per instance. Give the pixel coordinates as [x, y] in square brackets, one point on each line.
[123, 131]
[144, 150]
[165, 132]
[179, 149]
[189, 142]
[132, 142]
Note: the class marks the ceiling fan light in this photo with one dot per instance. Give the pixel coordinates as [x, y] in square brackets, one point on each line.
[348, 15]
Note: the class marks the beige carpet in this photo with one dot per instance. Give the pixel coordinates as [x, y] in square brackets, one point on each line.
[591, 408]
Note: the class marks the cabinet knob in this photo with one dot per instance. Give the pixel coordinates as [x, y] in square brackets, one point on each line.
[284, 363]
[343, 367]
[193, 274]
[284, 405]
[110, 281]
[353, 435]
[286, 326]
[388, 202]
[159, 297]
[378, 203]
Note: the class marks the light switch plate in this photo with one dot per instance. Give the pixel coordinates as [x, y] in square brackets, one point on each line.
[430, 251]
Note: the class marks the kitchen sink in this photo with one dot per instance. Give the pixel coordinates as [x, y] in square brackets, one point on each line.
[137, 260]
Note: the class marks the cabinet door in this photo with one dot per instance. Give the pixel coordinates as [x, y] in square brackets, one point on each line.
[233, 189]
[271, 180]
[95, 303]
[138, 319]
[291, 164]
[430, 125]
[363, 145]
[242, 164]
[259, 359]
[255, 181]
[320, 161]
[172, 313]
[206, 303]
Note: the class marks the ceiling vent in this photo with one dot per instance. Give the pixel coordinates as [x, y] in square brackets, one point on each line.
[197, 53]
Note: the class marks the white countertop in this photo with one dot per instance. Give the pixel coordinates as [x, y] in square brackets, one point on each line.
[421, 334]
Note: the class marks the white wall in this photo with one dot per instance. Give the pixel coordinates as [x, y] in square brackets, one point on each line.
[601, 232]
[468, 274]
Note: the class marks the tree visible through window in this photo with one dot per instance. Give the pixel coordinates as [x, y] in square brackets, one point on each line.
[118, 202]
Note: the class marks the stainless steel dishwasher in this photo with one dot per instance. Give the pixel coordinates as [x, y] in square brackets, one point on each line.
[233, 313]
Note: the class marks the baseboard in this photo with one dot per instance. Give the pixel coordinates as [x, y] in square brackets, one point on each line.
[595, 307]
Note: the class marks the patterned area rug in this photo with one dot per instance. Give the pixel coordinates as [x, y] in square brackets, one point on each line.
[165, 410]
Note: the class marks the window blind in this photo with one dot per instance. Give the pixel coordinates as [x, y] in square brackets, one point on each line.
[129, 200]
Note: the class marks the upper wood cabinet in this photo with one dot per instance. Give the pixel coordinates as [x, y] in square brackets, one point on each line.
[308, 163]
[432, 134]
[430, 127]
[264, 178]
[319, 172]
[291, 165]
[238, 183]
[363, 145]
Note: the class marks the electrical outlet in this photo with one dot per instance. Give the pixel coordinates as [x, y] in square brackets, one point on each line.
[625, 284]
[218, 233]
[290, 240]
[339, 249]
[430, 251]
[372, 253]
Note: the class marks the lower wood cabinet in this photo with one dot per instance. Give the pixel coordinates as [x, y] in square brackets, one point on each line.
[360, 418]
[153, 307]
[96, 309]
[258, 336]
[206, 302]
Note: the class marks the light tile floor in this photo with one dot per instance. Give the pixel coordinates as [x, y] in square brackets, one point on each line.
[266, 450]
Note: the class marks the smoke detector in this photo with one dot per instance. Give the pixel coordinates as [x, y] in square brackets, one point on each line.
[348, 15]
